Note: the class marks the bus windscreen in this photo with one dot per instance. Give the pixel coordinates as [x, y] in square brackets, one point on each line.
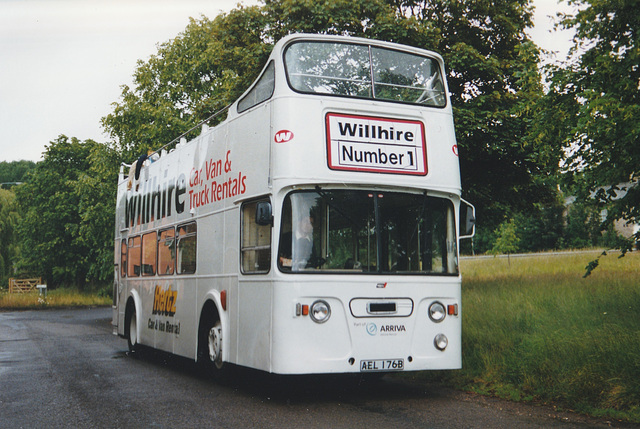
[372, 232]
[362, 71]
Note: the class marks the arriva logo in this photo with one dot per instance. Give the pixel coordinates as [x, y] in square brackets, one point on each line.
[372, 329]
[283, 136]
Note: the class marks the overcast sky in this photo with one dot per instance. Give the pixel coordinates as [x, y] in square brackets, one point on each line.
[62, 62]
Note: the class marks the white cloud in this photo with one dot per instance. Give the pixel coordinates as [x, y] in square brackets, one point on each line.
[556, 42]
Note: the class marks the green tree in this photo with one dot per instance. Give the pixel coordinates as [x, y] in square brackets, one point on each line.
[540, 229]
[599, 92]
[8, 235]
[15, 171]
[51, 221]
[507, 239]
[96, 190]
[197, 73]
[582, 226]
[378, 19]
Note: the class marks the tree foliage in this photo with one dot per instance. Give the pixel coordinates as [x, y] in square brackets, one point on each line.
[96, 189]
[8, 235]
[496, 86]
[203, 69]
[540, 229]
[67, 213]
[599, 92]
[507, 239]
[16, 171]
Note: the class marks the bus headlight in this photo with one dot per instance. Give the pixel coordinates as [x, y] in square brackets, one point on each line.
[437, 312]
[320, 311]
[441, 342]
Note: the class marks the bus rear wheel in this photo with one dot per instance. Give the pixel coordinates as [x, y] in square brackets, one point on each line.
[210, 345]
[132, 329]
[214, 344]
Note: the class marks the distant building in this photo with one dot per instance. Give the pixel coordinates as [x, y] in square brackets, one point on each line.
[8, 185]
[624, 228]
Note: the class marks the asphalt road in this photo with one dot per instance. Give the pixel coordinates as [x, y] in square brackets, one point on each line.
[65, 369]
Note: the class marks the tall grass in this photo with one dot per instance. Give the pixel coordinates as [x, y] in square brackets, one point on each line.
[535, 329]
[58, 298]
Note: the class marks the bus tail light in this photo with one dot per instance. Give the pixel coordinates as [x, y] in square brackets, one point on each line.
[223, 299]
[452, 309]
[302, 309]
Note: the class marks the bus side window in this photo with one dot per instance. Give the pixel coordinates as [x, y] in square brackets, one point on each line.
[123, 258]
[134, 253]
[166, 252]
[262, 91]
[186, 248]
[256, 241]
[149, 254]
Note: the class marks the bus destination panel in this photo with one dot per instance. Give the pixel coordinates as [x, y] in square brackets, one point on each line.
[377, 145]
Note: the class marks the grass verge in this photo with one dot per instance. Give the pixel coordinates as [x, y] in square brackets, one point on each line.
[57, 298]
[535, 330]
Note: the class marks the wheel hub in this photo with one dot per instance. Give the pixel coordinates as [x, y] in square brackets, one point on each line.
[215, 344]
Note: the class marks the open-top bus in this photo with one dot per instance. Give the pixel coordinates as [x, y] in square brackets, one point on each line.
[314, 230]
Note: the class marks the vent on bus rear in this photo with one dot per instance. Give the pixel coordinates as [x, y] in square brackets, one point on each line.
[381, 307]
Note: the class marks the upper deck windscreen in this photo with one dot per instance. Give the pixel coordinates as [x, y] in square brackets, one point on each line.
[364, 71]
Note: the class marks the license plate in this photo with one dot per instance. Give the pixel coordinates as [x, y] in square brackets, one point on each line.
[381, 365]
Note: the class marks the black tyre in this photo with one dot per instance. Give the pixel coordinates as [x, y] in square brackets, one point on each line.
[131, 326]
[210, 348]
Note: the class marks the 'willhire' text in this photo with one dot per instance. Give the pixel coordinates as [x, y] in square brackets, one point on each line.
[156, 200]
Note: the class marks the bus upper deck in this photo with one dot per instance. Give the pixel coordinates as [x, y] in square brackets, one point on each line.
[314, 114]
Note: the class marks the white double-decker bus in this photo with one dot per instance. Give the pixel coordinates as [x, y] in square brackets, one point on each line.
[314, 230]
